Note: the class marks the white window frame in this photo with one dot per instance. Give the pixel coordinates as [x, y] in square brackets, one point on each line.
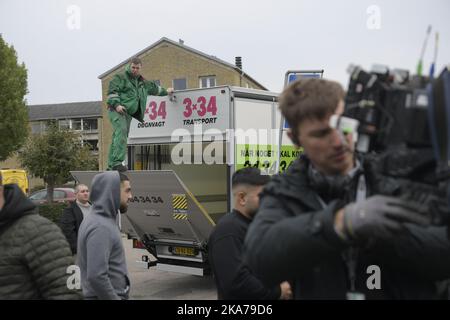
[88, 130]
[81, 124]
[69, 121]
[208, 81]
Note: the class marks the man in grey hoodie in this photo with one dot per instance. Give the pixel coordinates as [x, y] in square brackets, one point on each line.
[101, 255]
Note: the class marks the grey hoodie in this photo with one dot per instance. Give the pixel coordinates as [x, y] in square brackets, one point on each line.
[101, 256]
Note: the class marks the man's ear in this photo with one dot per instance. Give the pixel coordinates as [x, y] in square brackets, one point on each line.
[241, 198]
[293, 138]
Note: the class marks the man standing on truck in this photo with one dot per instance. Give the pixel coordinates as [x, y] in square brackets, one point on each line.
[127, 97]
[235, 280]
[101, 256]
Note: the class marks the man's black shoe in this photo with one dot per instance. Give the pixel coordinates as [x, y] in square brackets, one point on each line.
[120, 168]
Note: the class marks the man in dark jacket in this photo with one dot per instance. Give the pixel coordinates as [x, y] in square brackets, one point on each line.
[34, 254]
[234, 280]
[101, 255]
[326, 224]
[127, 98]
[73, 215]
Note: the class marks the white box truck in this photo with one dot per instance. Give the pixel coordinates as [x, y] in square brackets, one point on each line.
[181, 160]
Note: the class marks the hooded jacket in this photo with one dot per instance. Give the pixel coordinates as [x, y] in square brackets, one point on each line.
[131, 92]
[34, 254]
[293, 237]
[101, 255]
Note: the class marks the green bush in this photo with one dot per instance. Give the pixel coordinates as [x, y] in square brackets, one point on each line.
[52, 211]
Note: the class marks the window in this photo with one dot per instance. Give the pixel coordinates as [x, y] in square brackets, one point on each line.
[36, 127]
[64, 124]
[207, 82]
[57, 194]
[179, 84]
[151, 157]
[90, 125]
[39, 195]
[44, 126]
[76, 124]
[93, 144]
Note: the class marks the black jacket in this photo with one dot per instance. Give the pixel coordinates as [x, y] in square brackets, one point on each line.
[293, 237]
[70, 221]
[34, 254]
[233, 279]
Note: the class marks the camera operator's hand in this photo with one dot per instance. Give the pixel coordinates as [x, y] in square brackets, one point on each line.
[379, 217]
[286, 291]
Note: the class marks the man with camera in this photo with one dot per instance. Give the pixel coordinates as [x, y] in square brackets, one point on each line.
[332, 223]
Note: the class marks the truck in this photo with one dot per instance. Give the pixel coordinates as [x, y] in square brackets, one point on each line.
[17, 176]
[180, 163]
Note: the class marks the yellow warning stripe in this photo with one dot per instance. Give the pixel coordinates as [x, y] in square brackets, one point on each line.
[180, 216]
[202, 209]
[180, 203]
[182, 206]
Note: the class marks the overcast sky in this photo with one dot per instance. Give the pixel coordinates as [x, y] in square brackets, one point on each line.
[66, 45]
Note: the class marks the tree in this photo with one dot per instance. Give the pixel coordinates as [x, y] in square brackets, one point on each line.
[13, 109]
[53, 154]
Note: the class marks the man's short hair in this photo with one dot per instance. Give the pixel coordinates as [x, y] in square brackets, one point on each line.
[135, 60]
[78, 186]
[249, 176]
[311, 99]
[123, 177]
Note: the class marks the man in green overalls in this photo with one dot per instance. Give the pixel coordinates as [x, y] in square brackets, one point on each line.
[127, 97]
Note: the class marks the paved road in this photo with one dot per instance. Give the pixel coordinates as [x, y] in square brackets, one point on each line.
[152, 284]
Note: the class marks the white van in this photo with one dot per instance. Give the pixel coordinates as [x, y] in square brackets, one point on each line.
[181, 160]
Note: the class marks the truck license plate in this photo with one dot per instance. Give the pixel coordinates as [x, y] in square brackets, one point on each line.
[183, 251]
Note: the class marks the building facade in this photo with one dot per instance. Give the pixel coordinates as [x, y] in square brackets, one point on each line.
[83, 117]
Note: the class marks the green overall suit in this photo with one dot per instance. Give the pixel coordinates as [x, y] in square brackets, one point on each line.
[130, 92]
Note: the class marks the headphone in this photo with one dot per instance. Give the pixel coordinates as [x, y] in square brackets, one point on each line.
[332, 187]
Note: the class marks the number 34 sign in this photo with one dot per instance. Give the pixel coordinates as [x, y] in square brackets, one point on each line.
[208, 108]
